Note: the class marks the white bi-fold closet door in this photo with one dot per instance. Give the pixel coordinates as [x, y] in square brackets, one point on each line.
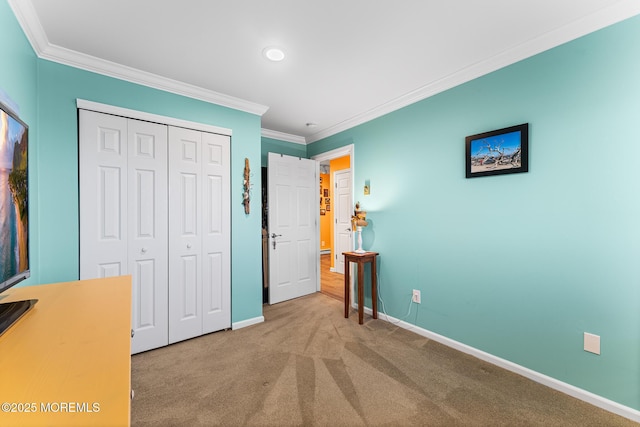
[154, 203]
[199, 233]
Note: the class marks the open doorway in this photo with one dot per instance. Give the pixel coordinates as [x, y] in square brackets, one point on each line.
[336, 207]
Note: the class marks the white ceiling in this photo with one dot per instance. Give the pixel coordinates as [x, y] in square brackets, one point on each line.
[347, 61]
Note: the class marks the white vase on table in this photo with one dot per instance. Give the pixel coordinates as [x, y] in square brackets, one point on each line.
[359, 231]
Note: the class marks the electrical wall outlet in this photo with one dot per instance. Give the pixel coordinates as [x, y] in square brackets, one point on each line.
[415, 297]
[592, 343]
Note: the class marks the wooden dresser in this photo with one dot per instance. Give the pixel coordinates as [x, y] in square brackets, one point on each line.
[67, 362]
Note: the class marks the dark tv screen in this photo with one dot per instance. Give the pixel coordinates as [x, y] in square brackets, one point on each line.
[14, 204]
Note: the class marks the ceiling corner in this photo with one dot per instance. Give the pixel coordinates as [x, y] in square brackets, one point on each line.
[28, 20]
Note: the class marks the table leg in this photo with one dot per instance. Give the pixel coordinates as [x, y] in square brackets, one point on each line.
[360, 293]
[346, 286]
[374, 289]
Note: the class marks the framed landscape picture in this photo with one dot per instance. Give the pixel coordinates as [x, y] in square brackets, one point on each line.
[498, 152]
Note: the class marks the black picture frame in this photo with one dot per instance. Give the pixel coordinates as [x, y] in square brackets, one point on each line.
[498, 152]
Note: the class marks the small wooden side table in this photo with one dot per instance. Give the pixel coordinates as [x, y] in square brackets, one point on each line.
[361, 259]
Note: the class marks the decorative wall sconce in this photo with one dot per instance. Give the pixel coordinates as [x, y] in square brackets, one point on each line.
[246, 199]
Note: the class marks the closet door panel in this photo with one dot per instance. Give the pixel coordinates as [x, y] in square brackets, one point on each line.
[216, 240]
[103, 195]
[148, 234]
[185, 229]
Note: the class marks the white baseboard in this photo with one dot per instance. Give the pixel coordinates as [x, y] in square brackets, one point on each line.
[578, 393]
[325, 251]
[248, 322]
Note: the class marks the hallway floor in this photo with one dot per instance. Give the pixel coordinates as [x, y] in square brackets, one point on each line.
[331, 284]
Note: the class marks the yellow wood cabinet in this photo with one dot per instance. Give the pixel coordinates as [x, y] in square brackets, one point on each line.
[67, 361]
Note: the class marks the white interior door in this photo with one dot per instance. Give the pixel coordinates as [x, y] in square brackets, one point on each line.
[293, 227]
[343, 210]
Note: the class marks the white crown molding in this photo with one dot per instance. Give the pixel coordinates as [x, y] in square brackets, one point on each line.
[111, 69]
[268, 133]
[617, 12]
[28, 19]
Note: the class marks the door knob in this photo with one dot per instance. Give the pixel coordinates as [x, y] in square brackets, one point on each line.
[188, 245]
[273, 242]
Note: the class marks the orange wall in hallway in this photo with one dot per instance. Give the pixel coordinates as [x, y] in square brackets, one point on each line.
[325, 220]
[334, 166]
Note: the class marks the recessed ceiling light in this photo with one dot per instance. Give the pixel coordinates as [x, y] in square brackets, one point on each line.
[273, 54]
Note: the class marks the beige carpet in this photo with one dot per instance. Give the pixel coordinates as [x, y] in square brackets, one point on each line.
[308, 365]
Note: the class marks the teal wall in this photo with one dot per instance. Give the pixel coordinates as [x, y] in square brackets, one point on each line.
[18, 69]
[54, 200]
[270, 145]
[18, 66]
[520, 265]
